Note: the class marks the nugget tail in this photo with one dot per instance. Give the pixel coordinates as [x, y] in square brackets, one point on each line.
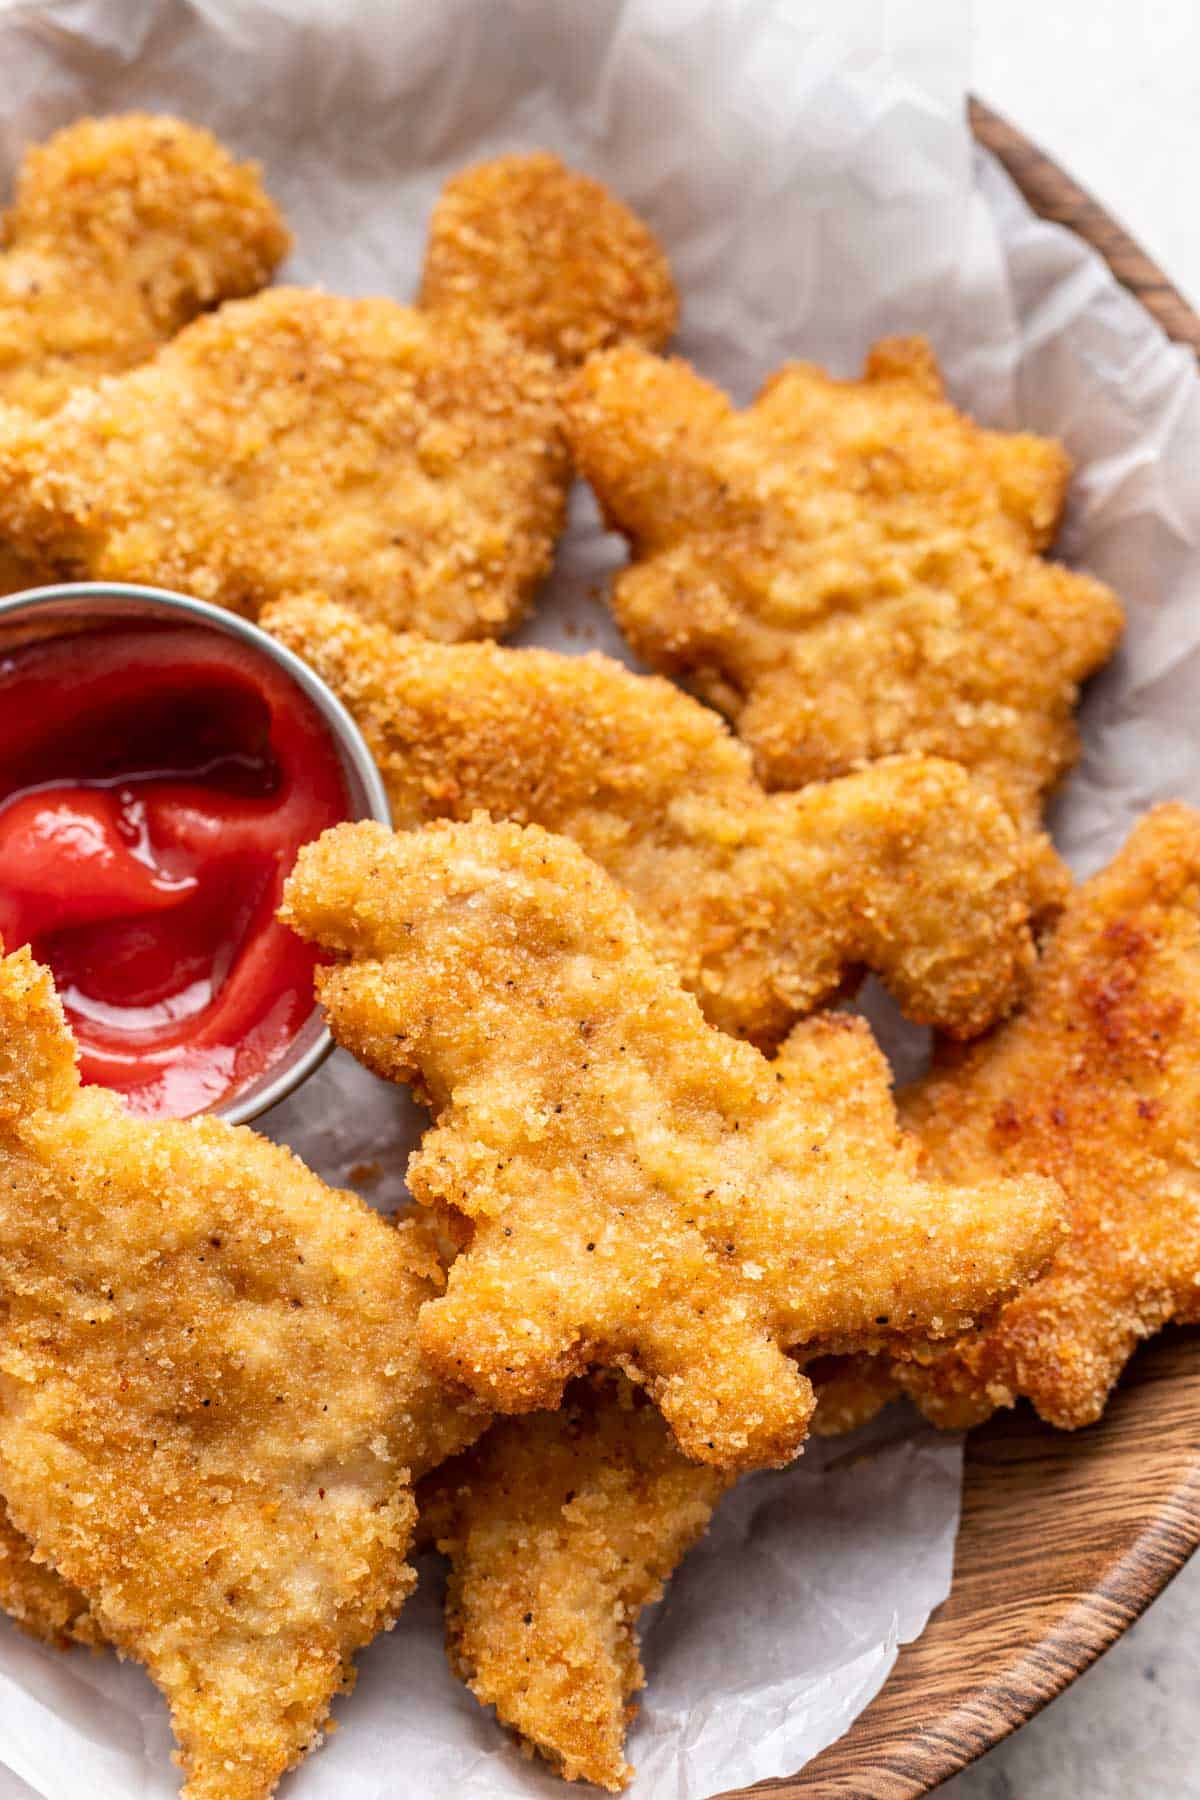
[560, 1529]
[37, 1052]
[949, 887]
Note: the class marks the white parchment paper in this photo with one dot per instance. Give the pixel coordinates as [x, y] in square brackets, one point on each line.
[815, 186]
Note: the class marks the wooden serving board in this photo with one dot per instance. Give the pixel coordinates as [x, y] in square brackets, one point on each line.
[1065, 1537]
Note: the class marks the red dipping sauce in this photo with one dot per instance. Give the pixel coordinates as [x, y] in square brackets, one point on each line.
[156, 782]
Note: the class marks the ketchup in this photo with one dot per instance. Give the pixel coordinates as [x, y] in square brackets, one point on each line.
[156, 782]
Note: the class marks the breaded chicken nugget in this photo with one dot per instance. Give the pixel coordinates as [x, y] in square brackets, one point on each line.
[122, 231]
[37, 1597]
[212, 1404]
[567, 267]
[411, 462]
[765, 904]
[837, 1052]
[847, 568]
[415, 469]
[850, 1390]
[639, 1190]
[1096, 1084]
[560, 1528]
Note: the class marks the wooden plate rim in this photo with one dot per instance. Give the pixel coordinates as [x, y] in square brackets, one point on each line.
[1065, 1539]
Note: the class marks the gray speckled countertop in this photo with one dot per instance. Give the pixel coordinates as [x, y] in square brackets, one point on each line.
[1127, 1730]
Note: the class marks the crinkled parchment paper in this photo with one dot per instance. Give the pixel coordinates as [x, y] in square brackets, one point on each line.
[815, 186]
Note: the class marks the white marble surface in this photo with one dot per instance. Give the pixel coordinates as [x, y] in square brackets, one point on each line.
[1111, 89]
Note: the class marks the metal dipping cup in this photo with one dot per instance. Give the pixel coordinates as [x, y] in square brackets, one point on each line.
[48, 611]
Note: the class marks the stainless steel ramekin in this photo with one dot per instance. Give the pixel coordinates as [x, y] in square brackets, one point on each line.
[22, 618]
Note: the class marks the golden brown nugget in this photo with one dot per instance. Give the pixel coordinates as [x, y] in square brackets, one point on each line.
[638, 1189]
[211, 1403]
[409, 461]
[564, 263]
[415, 469]
[37, 1597]
[850, 1390]
[838, 1052]
[847, 568]
[122, 231]
[1096, 1084]
[16, 573]
[766, 905]
[560, 1528]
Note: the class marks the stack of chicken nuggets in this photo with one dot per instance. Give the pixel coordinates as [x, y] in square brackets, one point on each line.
[670, 1217]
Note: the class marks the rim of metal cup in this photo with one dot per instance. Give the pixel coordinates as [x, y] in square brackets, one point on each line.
[94, 600]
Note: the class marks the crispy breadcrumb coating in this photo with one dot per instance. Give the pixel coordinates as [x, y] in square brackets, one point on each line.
[212, 1405]
[1095, 1084]
[564, 264]
[122, 231]
[18, 573]
[415, 469]
[642, 1191]
[766, 905]
[37, 1597]
[850, 1390]
[560, 1528]
[411, 462]
[847, 568]
[837, 1052]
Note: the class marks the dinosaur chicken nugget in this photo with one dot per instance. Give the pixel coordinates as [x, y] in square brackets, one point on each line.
[637, 1189]
[766, 904]
[1093, 1084]
[847, 568]
[213, 1403]
[410, 460]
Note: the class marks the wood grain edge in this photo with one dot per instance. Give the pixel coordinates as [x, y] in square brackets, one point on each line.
[1065, 1539]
